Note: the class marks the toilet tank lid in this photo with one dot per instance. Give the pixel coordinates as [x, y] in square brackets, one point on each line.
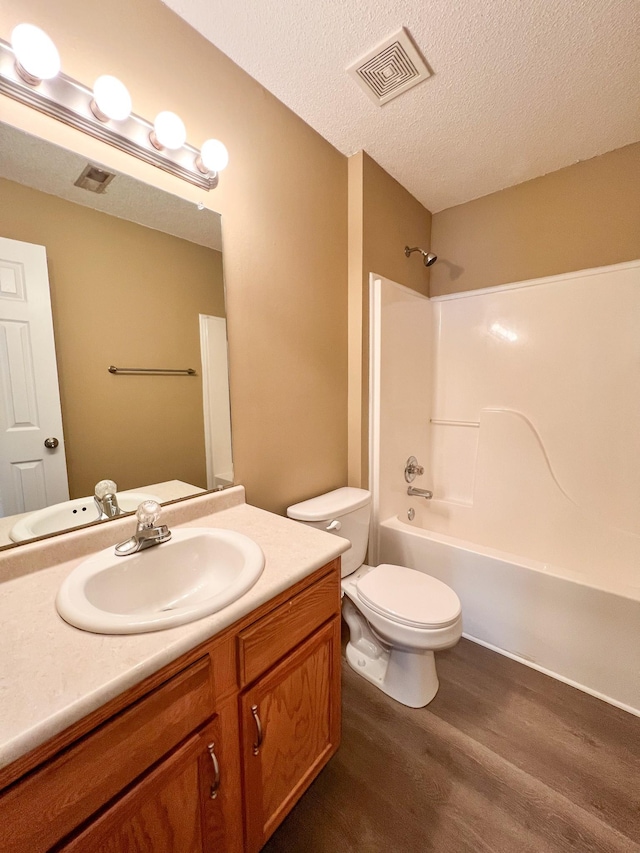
[330, 505]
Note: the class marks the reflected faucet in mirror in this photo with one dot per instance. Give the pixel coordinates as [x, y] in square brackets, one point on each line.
[106, 499]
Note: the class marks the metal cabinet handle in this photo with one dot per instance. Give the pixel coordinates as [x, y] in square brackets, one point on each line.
[51, 443]
[259, 739]
[213, 790]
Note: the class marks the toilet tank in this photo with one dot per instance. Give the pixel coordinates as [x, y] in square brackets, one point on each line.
[343, 512]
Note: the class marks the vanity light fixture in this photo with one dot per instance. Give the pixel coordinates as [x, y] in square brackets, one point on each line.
[30, 73]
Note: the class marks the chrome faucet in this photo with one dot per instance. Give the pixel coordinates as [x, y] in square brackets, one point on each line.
[148, 532]
[106, 500]
[412, 470]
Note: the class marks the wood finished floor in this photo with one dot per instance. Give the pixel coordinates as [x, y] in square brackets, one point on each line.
[504, 760]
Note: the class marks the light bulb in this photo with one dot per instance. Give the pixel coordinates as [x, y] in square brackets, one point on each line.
[213, 157]
[37, 57]
[168, 131]
[111, 99]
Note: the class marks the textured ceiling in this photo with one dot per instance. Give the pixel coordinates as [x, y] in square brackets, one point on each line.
[39, 164]
[519, 87]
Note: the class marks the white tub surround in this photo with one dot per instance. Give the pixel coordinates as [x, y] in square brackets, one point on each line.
[52, 674]
[520, 403]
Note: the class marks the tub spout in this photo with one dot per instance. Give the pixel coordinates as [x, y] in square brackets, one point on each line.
[419, 493]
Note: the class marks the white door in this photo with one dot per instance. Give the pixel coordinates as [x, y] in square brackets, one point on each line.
[215, 390]
[31, 475]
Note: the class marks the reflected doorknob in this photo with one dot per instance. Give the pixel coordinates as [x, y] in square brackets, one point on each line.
[51, 443]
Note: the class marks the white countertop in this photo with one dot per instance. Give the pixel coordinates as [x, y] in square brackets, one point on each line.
[52, 674]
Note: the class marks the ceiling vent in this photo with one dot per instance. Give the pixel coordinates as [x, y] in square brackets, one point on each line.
[390, 69]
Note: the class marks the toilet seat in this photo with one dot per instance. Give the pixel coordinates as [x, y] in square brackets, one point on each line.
[409, 597]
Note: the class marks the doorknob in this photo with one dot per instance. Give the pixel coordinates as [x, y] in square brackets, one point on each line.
[51, 443]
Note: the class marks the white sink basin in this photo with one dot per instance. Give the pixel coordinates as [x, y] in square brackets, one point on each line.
[70, 514]
[198, 572]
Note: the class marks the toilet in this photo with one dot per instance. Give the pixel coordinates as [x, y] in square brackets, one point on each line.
[397, 617]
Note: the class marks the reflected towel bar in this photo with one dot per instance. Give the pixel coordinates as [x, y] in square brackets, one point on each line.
[153, 371]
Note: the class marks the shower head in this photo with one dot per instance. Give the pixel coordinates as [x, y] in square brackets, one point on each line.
[427, 257]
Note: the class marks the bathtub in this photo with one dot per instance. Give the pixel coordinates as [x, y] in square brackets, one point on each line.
[584, 633]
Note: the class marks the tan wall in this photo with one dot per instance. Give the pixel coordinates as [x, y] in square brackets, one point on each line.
[284, 204]
[118, 297]
[586, 215]
[383, 219]
[393, 219]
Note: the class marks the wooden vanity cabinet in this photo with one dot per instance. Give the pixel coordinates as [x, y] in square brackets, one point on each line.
[206, 756]
[290, 729]
[47, 804]
[290, 707]
[173, 808]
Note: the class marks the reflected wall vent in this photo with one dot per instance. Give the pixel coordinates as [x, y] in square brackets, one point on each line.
[390, 69]
[94, 179]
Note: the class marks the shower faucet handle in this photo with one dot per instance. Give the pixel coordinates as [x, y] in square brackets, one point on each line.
[412, 469]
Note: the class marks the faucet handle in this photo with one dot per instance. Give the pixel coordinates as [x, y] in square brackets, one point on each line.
[148, 513]
[412, 469]
[104, 488]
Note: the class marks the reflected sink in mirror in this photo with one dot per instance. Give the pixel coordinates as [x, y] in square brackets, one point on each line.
[71, 514]
[198, 572]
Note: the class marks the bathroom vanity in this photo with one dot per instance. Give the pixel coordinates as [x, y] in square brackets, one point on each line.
[207, 752]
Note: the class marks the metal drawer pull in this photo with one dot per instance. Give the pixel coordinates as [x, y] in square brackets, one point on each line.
[213, 790]
[258, 743]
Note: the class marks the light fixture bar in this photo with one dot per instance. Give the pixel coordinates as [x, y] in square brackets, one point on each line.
[65, 99]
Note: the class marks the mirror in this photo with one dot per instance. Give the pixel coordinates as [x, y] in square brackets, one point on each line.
[134, 278]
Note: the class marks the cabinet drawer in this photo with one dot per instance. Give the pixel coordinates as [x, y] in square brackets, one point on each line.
[72, 786]
[270, 638]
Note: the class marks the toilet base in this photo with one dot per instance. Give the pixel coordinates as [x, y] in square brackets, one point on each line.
[409, 677]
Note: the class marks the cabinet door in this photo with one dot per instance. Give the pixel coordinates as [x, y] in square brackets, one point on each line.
[290, 729]
[173, 808]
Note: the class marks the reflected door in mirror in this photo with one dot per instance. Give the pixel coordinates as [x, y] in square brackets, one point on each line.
[33, 471]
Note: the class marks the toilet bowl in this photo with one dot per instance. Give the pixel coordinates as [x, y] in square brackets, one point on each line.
[397, 617]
